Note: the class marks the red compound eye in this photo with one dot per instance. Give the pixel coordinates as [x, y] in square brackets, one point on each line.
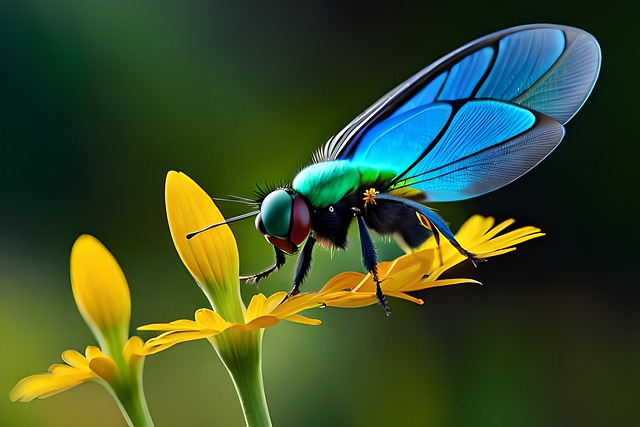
[301, 221]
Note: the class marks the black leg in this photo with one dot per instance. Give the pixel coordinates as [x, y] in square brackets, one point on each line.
[435, 222]
[369, 259]
[436, 237]
[280, 260]
[302, 266]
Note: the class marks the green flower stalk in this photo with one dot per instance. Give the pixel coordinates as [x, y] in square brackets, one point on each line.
[236, 331]
[102, 296]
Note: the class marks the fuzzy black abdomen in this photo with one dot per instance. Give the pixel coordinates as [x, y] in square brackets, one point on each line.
[392, 218]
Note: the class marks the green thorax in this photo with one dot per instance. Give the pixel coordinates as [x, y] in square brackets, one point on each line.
[325, 183]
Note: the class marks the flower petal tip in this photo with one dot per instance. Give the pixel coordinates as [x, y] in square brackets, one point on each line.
[100, 289]
[212, 257]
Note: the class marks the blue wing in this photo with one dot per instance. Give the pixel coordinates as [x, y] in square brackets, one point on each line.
[454, 150]
[478, 118]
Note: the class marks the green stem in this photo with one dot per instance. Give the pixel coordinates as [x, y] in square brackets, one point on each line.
[241, 353]
[137, 410]
[226, 301]
[129, 394]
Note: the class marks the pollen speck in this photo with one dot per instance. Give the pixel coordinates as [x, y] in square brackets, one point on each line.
[370, 196]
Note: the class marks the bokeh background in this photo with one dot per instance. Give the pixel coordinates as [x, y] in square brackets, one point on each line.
[98, 100]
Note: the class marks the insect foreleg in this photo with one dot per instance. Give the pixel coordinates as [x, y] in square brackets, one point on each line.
[303, 265]
[280, 260]
[369, 259]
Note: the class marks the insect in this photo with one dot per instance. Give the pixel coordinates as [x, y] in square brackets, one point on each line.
[470, 123]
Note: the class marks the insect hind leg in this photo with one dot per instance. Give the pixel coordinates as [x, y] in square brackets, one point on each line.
[434, 222]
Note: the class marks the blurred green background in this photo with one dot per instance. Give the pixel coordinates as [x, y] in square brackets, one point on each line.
[98, 100]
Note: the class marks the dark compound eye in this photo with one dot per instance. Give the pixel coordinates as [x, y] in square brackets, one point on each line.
[276, 213]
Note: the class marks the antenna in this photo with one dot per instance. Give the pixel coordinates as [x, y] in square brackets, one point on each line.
[236, 199]
[228, 221]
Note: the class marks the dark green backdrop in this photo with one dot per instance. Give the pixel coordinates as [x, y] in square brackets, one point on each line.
[98, 100]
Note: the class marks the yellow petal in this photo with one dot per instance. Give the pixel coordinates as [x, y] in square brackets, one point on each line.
[208, 319]
[91, 352]
[169, 339]
[508, 241]
[44, 385]
[273, 301]
[350, 299]
[409, 268]
[105, 367]
[427, 284]
[297, 318]
[402, 295]
[265, 312]
[133, 350]
[257, 323]
[75, 359]
[59, 379]
[212, 256]
[347, 288]
[492, 244]
[297, 304]
[350, 289]
[488, 231]
[344, 281]
[101, 292]
[260, 305]
[176, 325]
[474, 227]
[207, 324]
[257, 307]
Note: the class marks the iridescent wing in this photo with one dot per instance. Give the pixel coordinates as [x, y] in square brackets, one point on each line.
[478, 118]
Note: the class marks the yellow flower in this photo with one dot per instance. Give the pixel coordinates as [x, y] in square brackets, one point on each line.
[261, 313]
[236, 331]
[422, 268]
[212, 259]
[78, 369]
[478, 235]
[102, 296]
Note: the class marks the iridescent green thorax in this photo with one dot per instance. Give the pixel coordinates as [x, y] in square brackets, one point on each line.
[326, 183]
